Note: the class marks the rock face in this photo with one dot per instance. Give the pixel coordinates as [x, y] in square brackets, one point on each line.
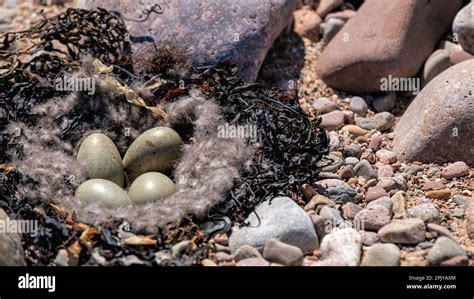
[281, 219]
[385, 38]
[438, 124]
[11, 251]
[209, 31]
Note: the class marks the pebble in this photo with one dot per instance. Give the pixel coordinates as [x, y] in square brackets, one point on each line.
[358, 105]
[343, 193]
[334, 141]
[382, 121]
[324, 105]
[331, 28]
[350, 209]
[333, 120]
[459, 57]
[440, 230]
[281, 253]
[374, 193]
[459, 261]
[351, 161]
[438, 62]
[385, 171]
[246, 252]
[399, 200]
[208, 263]
[372, 218]
[253, 262]
[441, 194]
[346, 172]
[11, 249]
[458, 213]
[382, 255]
[223, 257]
[332, 163]
[375, 142]
[386, 156]
[307, 23]
[444, 249]
[329, 175]
[470, 222]
[385, 102]
[412, 169]
[328, 183]
[354, 130]
[369, 238]
[455, 170]
[432, 185]
[326, 6]
[462, 200]
[308, 192]
[318, 200]
[405, 231]
[344, 245]
[280, 218]
[331, 215]
[386, 202]
[427, 212]
[425, 245]
[463, 27]
[352, 150]
[319, 225]
[364, 169]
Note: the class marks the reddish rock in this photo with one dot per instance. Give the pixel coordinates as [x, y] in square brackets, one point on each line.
[326, 6]
[432, 186]
[386, 156]
[333, 120]
[385, 38]
[373, 218]
[307, 23]
[470, 221]
[385, 171]
[437, 126]
[375, 142]
[439, 194]
[374, 193]
[455, 170]
[208, 31]
[437, 63]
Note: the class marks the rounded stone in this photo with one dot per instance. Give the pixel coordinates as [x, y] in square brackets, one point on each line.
[103, 192]
[382, 255]
[101, 158]
[463, 27]
[151, 187]
[155, 150]
[385, 102]
[436, 126]
[439, 61]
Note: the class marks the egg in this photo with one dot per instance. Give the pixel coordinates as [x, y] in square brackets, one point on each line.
[150, 187]
[103, 192]
[101, 158]
[154, 150]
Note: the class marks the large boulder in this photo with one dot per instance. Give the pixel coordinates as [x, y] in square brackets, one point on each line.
[439, 124]
[385, 38]
[208, 31]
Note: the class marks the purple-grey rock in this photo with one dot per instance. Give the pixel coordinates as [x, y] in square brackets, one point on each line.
[208, 31]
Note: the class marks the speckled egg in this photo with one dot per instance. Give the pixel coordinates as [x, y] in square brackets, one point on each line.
[101, 158]
[150, 187]
[155, 150]
[103, 192]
